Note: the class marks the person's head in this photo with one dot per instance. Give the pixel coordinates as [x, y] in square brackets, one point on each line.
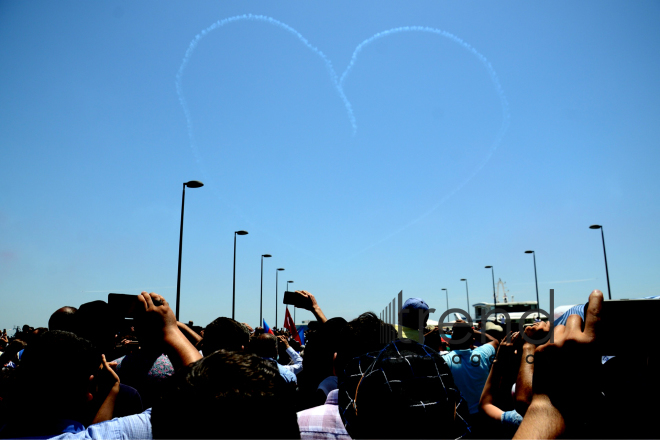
[364, 334]
[462, 336]
[63, 319]
[225, 334]
[229, 385]
[414, 313]
[96, 323]
[404, 390]
[264, 345]
[53, 380]
[320, 349]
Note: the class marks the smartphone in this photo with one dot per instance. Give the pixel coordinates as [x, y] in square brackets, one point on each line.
[126, 306]
[294, 299]
[627, 324]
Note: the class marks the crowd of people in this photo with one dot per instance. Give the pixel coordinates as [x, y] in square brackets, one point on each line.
[94, 374]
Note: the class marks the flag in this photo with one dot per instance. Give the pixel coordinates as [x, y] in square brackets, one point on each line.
[267, 329]
[301, 333]
[291, 326]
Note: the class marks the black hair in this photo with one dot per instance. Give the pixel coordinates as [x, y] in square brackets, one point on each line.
[264, 345]
[63, 319]
[225, 334]
[212, 397]
[364, 334]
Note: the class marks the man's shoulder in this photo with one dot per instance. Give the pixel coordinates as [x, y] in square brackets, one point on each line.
[137, 426]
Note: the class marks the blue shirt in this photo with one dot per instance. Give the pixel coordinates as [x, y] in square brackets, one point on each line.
[287, 374]
[137, 426]
[470, 370]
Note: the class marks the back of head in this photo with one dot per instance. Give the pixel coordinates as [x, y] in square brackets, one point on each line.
[225, 334]
[212, 397]
[403, 391]
[53, 378]
[63, 319]
[97, 324]
[414, 313]
[462, 336]
[264, 345]
[364, 334]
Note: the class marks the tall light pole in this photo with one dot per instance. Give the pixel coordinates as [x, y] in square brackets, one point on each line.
[493, 271]
[538, 305]
[191, 184]
[468, 295]
[294, 307]
[233, 290]
[261, 298]
[277, 272]
[447, 296]
[607, 273]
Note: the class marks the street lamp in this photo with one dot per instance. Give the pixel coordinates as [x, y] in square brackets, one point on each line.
[607, 273]
[261, 298]
[191, 184]
[447, 296]
[294, 307]
[468, 296]
[233, 290]
[538, 305]
[493, 271]
[277, 272]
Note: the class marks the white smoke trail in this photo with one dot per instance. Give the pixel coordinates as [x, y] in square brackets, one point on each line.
[493, 76]
[249, 17]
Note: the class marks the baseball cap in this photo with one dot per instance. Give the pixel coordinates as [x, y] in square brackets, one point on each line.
[415, 303]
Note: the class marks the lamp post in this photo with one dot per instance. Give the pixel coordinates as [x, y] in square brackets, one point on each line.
[493, 271]
[468, 295]
[233, 290]
[261, 297]
[277, 272]
[538, 305]
[607, 273]
[190, 184]
[294, 307]
[447, 296]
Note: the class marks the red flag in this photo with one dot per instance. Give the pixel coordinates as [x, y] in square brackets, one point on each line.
[291, 326]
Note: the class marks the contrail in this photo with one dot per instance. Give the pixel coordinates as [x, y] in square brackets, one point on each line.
[496, 82]
[249, 17]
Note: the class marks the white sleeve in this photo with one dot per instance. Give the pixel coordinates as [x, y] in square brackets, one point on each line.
[296, 359]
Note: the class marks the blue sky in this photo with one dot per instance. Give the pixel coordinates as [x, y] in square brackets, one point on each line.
[436, 167]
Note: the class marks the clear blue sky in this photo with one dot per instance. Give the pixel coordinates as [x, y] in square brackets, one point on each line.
[430, 169]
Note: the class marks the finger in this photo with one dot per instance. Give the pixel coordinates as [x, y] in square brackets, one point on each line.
[573, 325]
[148, 300]
[592, 315]
[559, 333]
[142, 299]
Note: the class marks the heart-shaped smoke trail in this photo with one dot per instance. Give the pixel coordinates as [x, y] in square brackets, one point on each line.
[339, 83]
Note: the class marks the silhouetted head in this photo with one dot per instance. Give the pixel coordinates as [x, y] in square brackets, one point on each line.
[225, 334]
[212, 397]
[63, 319]
[264, 345]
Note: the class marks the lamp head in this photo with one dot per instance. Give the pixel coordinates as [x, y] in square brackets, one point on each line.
[595, 227]
[529, 252]
[280, 268]
[463, 279]
[266, 255]
[488, 267]
[290, 282]
[194, 184]
[443, 289]
[241, 232]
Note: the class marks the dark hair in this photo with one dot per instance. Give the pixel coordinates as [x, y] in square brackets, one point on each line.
[460, 331]
[209, 398]
[51, 381]
[264, 345]
[225, 334]
[63, 319]
[364, 334]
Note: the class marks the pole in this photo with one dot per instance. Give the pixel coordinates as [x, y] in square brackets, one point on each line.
[609, 292]
[261, 297]
[277, 272]
[538, 304]
[494, 297]
[468, 296]
[233, 290]
[178, 278]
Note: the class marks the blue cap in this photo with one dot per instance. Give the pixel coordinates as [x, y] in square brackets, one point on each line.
[415, 303]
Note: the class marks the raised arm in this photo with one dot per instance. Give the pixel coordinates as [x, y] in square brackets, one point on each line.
[565, 383]
[189, 333]
[311, 305]
[161, 321]
[490, 402]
